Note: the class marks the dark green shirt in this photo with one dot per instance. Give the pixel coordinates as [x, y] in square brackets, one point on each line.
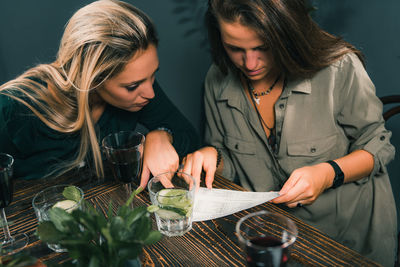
[37, 149]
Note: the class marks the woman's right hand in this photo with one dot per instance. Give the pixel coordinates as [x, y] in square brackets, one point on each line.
[202, 159]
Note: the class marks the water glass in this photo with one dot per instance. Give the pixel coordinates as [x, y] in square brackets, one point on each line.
[173, 193]
[266, 238]
[51, 197]
[124, 152]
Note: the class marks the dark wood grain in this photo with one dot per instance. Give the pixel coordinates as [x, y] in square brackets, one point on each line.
[209, 243]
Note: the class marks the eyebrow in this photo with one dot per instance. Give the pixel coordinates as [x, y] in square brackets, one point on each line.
[237, 47]
[136, 82]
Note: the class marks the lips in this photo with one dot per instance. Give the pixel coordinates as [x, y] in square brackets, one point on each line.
[141, 104]
[254, 72]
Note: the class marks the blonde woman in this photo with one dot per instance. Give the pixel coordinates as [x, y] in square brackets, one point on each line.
[53, 116]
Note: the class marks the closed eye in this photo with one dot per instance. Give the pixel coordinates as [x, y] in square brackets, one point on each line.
[234, 48]
[263, 48]
[132, 87]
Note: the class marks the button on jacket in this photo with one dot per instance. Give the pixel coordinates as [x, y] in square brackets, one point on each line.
[318, 119]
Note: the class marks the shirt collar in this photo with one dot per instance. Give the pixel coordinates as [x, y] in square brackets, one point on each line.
[298, 86]
[232, 89]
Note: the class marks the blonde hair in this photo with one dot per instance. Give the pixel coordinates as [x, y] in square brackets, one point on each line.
[98, 41]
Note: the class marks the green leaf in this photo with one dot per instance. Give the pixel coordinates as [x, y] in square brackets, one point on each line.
[129, 250]
[72, 193]
[94, 261]
[58, 217]
[47, 232]
[152, 237]
[110, 210]
[117, 227]
[141, 228]
[135, 215]
[106, 233]
[18, 260]
[134, 193]
[123, 211]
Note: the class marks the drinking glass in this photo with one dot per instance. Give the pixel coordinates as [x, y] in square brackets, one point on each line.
[10, 244]
[173, 193]
[124, 152]
[266, 238]
[51, 197]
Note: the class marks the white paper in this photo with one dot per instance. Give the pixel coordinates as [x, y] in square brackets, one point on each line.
[215, 203]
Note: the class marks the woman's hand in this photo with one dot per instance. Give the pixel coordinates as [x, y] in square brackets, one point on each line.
[305, 185]
[159, 155]
[202, 159]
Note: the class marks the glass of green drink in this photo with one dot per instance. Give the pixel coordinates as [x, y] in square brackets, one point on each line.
[173, 195]
[66, 197]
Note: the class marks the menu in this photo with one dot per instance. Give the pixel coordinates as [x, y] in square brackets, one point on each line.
[215, 203]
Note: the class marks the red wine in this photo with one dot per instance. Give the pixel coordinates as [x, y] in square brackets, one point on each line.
[273, 255]
[126, 172]
[6, 189]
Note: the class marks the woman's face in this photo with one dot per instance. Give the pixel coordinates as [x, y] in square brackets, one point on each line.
[132, 89]
[246, 50]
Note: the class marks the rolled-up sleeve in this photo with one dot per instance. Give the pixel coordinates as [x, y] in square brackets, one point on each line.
[360, 115]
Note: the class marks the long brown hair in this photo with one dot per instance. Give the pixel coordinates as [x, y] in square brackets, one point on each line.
[97, 43]
[299, 46]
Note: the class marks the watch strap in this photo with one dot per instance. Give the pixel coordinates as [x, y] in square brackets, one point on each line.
[339, 175]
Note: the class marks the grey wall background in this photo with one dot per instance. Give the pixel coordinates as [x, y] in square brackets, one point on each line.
[30, 32]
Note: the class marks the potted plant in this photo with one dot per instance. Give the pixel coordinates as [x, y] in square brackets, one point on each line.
[93, 239]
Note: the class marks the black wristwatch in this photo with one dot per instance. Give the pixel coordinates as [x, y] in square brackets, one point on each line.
[339, 175]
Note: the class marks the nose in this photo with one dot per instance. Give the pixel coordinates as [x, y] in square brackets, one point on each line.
[250, 59]
[148, 90]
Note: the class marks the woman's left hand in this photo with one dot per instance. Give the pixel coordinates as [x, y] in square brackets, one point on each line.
[159, 155]
[305, 185]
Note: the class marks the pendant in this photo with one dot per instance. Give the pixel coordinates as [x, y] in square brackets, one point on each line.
[257, 100]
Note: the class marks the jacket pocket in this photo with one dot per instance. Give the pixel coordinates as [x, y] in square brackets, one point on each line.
[236, 145]
[312, 148]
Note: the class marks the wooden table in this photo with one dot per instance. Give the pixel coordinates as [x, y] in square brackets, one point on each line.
[209, 243]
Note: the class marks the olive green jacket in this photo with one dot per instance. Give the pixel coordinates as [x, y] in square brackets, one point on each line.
[317, 119]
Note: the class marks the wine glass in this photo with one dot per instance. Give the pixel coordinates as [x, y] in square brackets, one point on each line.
[267, 238]
[10, 244]
[124, 151]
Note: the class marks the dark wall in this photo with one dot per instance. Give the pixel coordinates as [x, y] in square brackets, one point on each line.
[30, 32]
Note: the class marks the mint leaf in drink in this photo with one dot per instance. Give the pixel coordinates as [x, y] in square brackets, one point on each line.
[72, 193]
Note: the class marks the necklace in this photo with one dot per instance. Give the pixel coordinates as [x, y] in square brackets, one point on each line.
[254, 100]
[256, 95]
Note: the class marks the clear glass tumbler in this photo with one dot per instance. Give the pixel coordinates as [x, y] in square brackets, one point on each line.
[51, 197]
[173, 193]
